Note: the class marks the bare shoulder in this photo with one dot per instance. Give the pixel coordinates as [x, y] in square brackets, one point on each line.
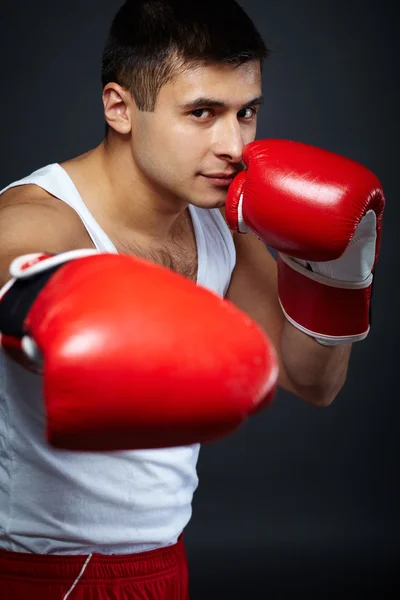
[32, 220]
[34, 196]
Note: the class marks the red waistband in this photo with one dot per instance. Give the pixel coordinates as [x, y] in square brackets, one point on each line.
[99, 566]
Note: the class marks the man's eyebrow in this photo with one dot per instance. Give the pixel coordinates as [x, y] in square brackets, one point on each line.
[203, 102]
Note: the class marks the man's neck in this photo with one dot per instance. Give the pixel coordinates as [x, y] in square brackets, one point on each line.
[110, 183]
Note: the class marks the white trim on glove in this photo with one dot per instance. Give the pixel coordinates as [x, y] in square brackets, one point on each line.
[241, 223]
[325, 340]
[28, 265]
[296, 265]
[356, 263]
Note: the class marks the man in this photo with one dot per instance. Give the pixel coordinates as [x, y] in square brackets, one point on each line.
[181, 93]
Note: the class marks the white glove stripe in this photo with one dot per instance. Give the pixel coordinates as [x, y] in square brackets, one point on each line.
[349, 285]
[31, 349]
[242, 227]
[18, 272]
[325, 340]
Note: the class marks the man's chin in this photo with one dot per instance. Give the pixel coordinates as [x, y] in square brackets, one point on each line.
[208, 205]
[220, 204]
[209, 202]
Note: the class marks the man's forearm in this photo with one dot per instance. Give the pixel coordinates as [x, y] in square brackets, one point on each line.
[317, 372]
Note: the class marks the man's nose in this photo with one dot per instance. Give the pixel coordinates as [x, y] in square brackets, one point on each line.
[229, 141]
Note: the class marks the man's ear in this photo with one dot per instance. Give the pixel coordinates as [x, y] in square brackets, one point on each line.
[117, 107]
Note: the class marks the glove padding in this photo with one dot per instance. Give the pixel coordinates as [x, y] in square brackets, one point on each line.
[136, 356]
[323, 214]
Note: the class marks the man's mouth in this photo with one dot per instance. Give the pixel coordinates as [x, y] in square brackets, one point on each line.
[220, 179]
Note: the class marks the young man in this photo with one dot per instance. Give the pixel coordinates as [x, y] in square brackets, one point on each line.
[182, 89]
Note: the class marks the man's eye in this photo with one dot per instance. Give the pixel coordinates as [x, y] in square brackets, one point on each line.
[201, 113]
[247, 113]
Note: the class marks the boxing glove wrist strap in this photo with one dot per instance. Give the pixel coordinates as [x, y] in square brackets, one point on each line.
[30, 272]
[333, 312]
[17, 301]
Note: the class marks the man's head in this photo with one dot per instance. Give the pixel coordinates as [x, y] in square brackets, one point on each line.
[174, 74]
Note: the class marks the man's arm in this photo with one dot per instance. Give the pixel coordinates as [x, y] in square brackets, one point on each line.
[322, 213]
[31, 220]
[310, 371]
[65, 317]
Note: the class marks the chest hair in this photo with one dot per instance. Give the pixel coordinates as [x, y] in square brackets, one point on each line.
[178, 254]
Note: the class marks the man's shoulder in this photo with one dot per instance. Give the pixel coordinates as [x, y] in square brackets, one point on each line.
[21, 193]
[29, 211]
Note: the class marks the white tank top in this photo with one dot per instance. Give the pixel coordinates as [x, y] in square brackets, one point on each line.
[58, 502]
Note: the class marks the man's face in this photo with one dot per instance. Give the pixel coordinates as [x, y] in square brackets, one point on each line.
[196, 134]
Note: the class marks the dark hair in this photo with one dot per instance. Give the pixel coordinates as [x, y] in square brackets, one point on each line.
[149, 40]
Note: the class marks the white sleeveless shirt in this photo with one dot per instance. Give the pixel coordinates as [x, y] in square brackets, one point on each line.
[59, 502]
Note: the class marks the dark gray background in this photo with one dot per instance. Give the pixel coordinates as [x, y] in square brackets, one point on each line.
[300, 499]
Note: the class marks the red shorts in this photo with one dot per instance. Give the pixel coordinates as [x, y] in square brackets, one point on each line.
[160, 574]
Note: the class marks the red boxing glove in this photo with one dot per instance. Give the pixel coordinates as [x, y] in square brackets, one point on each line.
[133, 355]
[323, 214]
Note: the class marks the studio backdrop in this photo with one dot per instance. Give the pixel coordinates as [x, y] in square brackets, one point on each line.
[299, 499]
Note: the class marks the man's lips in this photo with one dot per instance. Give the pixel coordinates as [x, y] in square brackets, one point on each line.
[220, 175]
[222, 179]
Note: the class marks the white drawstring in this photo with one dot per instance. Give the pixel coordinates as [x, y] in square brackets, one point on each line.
[78, 578]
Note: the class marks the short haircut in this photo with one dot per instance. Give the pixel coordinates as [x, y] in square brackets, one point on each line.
[151, 40]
